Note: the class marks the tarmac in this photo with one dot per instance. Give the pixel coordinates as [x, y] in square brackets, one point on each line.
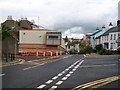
[21, 60]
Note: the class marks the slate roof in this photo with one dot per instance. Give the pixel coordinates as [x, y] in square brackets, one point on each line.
[114, 29]
[25, 24]
[97, 31]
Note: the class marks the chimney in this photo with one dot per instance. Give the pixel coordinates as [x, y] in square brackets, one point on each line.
[110, 25]
[103, 26]
[23, 18]
[9, 18]
[97, 28]
[33, 21]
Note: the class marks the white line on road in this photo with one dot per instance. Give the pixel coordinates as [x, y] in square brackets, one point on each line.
[63, 72]
[55, 77]
[59, 82]
[60, 74]
[2, 75]
[64, 78]
[33, 66]
[68, 75]
[71, 72]
[49, 81]
[98, 65]
[41, 86]
[53, 87]
[66, 69]
[74, 69]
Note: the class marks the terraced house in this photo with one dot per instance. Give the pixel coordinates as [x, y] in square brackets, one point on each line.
[111, 38]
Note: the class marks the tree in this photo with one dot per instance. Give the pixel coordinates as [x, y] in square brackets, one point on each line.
[98, 47]
[5, 32]
[88, 49]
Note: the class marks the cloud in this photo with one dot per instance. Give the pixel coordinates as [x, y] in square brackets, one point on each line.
[67, 16]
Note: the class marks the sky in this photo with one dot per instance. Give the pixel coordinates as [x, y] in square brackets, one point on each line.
[73, 18]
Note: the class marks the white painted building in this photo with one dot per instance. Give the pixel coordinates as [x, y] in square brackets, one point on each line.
[109, 39]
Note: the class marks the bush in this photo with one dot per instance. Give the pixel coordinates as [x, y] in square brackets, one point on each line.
[105, 52]
[98, 47]
[88, 49]
[82, 51]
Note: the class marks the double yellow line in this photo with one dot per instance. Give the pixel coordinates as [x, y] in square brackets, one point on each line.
[97, 83]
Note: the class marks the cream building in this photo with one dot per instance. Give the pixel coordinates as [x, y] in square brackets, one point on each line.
[39, 40]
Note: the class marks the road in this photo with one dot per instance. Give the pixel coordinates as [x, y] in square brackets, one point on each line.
[69, 72]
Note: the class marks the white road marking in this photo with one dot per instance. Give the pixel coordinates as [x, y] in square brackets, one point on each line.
[59, 82]
[98, 65]
[64, 78]
[33, 66]
[71, 72]
[41, 86]
[66, 69]
[70, 67]
[55, 77]
[49, 81]
[53, 87]
[77, 65]
[2, 75]
[60, 74]
[63, 72]
[74, 69]
[68, 75]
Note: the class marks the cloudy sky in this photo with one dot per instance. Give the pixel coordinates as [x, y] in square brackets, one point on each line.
[72, 17]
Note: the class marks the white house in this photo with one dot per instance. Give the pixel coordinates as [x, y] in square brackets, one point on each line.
[110, 39]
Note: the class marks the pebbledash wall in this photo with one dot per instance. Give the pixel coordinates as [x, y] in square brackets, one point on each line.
[39, 40]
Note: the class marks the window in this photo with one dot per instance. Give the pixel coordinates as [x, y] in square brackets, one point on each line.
[119, 35]
[24, 33]
[53, 37]
[111, 37]
[107, 37]
[111, 45]
[114, 36]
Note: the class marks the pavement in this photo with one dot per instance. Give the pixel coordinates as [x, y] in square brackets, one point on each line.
[30, 60]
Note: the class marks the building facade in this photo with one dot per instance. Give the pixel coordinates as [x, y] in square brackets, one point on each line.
[39, 40]
[110, 39]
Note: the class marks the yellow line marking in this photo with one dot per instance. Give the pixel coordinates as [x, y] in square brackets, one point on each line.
[89, 84]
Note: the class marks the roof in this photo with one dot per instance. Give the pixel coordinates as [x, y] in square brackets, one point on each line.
[25, 24]
[38, 29]
[113, 29]
[97, 31]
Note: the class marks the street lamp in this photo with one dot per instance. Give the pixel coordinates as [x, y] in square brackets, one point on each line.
[66, 43]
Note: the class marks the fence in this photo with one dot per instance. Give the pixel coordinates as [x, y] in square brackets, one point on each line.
[42, 53]
[8, 57]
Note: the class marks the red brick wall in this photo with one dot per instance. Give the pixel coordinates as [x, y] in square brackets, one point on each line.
[38, 47]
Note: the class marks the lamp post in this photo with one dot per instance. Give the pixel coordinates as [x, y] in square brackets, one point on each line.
[66, 46]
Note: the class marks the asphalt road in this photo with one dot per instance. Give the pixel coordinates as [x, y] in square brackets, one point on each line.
[69, 73]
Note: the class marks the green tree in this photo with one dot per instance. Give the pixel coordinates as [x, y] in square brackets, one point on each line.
[5, 32]
[88, 49]
[98, 47]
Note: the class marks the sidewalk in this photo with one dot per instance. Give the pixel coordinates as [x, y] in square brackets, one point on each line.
[3, 63]
[22, 60]
[95, 55]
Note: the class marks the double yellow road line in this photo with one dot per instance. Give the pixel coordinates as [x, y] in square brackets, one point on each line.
[97, 83]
